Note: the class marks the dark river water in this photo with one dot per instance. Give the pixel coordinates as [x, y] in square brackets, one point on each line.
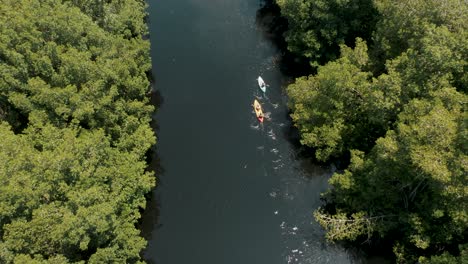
[230, 190]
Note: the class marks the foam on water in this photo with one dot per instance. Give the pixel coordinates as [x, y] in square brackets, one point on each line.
[271, 134]
[255, 126]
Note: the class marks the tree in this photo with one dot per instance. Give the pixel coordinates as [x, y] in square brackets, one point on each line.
[341, 107]
[447, 258]
[401, 23]
[74, 124]
[317, 28]
[413, 179]
[125, 18]
[67, 192]
[400, 112]
[67, 67]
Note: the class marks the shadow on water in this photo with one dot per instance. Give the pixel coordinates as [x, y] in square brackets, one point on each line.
[273, 27]
[156, 97]
[150, 215]
[149, 221]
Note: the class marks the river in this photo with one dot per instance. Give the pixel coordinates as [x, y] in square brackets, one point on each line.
[230, 190]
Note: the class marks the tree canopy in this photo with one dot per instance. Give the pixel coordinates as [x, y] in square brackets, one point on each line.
[74, 123]
[396, 102]
[317, 28]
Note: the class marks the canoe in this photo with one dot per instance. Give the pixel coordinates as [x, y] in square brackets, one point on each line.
[258, 110]
[261, 84]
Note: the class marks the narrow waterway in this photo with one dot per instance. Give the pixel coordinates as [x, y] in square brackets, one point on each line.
[230, 190]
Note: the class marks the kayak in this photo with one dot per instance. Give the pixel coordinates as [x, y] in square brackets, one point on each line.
[258, 110]
[261, 84]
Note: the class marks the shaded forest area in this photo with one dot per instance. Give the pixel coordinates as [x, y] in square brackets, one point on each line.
[74, 130]
[389, 90]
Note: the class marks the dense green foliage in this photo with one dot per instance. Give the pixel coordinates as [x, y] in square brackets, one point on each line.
[404, 22]
[74, 129]
[399, 108]
[317, 28]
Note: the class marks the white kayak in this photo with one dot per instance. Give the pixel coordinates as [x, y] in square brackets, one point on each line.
[261, 84]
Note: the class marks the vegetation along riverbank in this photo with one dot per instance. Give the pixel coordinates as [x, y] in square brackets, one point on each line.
[390, 91]
[74, 130]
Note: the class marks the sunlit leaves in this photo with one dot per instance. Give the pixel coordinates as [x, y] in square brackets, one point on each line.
[401, 20]
[70, 67]
[400, 111]
[414, 172]
[74, 194]
[73, 89]
[334, 109]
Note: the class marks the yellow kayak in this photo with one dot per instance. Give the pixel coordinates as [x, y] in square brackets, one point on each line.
[258, 110]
